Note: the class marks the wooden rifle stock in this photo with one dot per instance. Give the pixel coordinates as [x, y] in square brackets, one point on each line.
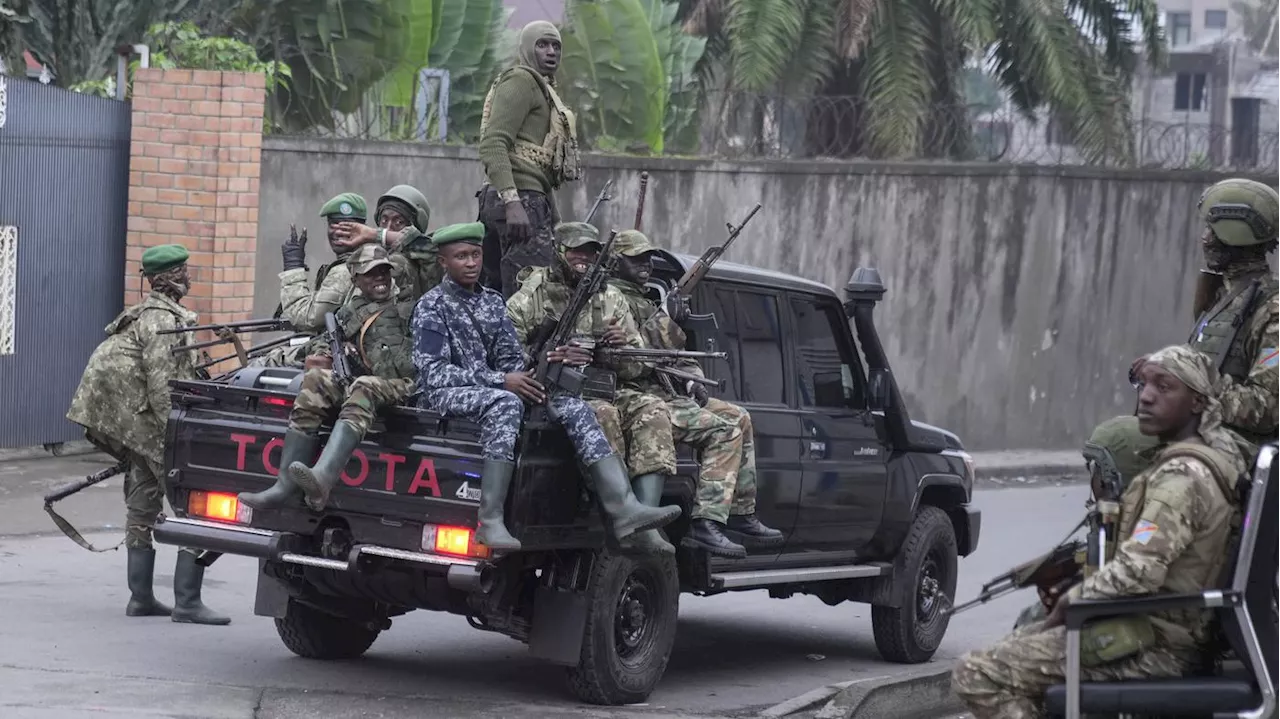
[644, 188]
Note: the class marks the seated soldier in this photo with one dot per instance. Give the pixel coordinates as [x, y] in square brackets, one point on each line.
[402, 216]
[1176, 518]
[377, 329]
[470, 364]
[303, 306]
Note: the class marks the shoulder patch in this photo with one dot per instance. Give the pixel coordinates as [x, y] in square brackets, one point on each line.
[1144, 531]
[1268, 357]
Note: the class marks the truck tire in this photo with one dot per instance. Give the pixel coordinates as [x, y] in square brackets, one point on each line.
[911, 632]
[632, 607]
[310, 633]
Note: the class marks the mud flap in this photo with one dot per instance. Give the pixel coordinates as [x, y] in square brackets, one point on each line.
[559, 622]
[272, 597]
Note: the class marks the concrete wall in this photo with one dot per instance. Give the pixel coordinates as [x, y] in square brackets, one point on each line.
[1018, 295]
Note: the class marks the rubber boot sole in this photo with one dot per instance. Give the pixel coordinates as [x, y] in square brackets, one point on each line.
[691, 543]
[306, 480]
[663, 517]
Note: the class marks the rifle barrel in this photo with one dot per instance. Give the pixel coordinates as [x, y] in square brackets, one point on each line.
[260, 325]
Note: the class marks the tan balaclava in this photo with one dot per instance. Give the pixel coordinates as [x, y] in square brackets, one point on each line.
[529, 37]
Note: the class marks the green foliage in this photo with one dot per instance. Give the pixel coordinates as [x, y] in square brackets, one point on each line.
[181, 45]
[614, 74]
[679, 53]
[401, 82]
[473, 64]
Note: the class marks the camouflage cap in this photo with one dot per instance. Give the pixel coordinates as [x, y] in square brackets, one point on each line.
[1123, 443]
[576, 234]
[469, 232]
[366, 257]
[347, 206]
[162, 258]
[633, 243]
[1241, 212]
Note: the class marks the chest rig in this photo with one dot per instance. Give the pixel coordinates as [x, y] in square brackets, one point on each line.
[552, 297]
[378, 332]
[1219, 331]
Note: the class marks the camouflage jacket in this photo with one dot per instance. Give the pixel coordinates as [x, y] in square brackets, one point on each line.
[123, 397]
[304, 308]
[417, 270]
[659, 331]
[464, 339]
[1175, 525]
[542, 294]
[379, 332]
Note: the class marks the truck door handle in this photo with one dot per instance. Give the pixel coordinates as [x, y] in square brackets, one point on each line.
[817, 449]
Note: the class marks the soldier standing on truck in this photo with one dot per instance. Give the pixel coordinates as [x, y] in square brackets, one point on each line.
[470, 364]
[303, 306]
[721, 432]
[1176, 518]
[636, 423]
[529, 147]
[123, 404]
[402, 216]
[377, 327]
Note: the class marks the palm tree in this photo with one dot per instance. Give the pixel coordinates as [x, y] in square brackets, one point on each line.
[903, 61]
[1258, 19]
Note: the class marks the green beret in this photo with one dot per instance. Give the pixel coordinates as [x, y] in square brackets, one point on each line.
[347, 206]
[633, 243]
[576, 234]
[471, 233]
[163, 257]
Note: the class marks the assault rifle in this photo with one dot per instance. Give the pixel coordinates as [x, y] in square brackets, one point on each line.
[338, 348]
[558, 374]
[255, 351]
[1051, 569]
[694, 275]
[644, 354]
[67, 490]
[683, 376]
[604, 196]
[270, 324]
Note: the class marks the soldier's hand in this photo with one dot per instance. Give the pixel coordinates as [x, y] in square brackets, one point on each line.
[699, 392]
[524, 386]
[613, 335]
[318, 362]
[518, 228]
[677, 307]
[1058, 616]
[572, 355]
[1136, 367]
[294, 250]
[350, 235]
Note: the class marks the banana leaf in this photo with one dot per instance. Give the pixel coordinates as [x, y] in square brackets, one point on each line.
[402, 81]
[449, 30]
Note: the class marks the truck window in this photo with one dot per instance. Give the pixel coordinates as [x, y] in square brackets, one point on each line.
[828, 374]
[750, 333]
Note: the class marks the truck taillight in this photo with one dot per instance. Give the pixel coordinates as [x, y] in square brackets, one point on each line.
[278, 401]
[220, 506]
[458, 541]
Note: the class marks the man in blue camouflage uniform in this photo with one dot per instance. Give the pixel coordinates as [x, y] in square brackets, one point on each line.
[470, 365]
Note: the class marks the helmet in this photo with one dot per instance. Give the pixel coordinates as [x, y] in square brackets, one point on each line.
[414, 199]
[1241, 212]
[1118, 446]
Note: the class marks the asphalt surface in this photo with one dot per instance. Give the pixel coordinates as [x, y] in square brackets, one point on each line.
[67, 650]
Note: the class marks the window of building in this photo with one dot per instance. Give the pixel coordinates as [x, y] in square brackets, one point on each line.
[1189, 92]
[750, 333]
[1215, 19]
[1179, 28]
[827, 371]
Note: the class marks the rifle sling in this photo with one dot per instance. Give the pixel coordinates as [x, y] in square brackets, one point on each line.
[360, 338]
[72, 533]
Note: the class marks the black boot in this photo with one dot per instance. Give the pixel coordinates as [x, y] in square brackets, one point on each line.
[298, 447]
[706, 534]
[748, 530]
[142, 601]
[187, 578]
[491, 531]
[648, 491]
[319, 480]
[619, 503]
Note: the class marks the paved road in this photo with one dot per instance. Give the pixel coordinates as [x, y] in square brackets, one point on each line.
[67, 650]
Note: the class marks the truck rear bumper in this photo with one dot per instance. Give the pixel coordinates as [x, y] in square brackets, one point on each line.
[462, 574]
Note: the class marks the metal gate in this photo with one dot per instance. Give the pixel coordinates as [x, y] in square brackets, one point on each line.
[64, 190]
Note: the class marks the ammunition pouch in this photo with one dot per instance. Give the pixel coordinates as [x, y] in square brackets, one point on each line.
[1115, 638]
[601, 384]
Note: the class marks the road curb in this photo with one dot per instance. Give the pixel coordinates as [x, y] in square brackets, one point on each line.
[1031, 475]
[912, 694]
[47, 451]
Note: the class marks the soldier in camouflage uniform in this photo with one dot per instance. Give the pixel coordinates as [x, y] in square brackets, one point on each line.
[123, 404]
[1176, 520]
[529, 148]
[304, 307]
[376, 328]
[402, 216]
[470, 364]
[721, 432]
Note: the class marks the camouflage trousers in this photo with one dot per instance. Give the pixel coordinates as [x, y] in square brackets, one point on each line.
[499, 414]
[744, 490]
[321, 393]
[143, 502]
[639, 430]
[281, 357]
[1008, 680]
[717, 438]
[505, 257]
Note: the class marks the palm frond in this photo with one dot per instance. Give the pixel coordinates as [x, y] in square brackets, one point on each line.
[895, 82]
[815, 54]
[851, 33]
[764, 34]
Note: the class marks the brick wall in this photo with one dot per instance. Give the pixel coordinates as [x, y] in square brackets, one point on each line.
[193, 180]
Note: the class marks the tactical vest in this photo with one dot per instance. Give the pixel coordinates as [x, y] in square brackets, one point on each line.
[1216, 328]
[380, 334]
[558, 153]
[551, 296]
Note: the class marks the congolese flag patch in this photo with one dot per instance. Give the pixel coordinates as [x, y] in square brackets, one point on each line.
[1269, 357]
[1144, 531]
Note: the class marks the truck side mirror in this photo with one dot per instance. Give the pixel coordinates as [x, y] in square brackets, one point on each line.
[879, 390]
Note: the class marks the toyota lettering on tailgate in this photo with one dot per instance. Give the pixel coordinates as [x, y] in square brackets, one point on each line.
[253, 456]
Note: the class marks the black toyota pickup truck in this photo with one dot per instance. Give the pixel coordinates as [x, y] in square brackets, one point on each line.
[875, 507]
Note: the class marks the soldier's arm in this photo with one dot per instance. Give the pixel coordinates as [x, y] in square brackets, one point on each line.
[1176, 497]
[620, 311]
[521, 312]
[509, 354]
[431, 352]
[513, 98]
[158, 363]
[306, 309]
[1253, 404]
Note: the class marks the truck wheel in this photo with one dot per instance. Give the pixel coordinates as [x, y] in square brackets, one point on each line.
[310, 633]
[911, 633]
[632, 603]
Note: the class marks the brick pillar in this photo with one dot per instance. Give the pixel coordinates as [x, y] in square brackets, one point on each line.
[193, 180]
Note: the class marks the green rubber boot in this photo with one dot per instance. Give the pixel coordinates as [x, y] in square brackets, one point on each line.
[648, 491]
[298, 447]
[188, 607]
[619, 503]
[142, 600]
[492, 530]
[316, 482]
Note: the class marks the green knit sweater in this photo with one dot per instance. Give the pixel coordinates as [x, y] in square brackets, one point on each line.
[519, 111]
